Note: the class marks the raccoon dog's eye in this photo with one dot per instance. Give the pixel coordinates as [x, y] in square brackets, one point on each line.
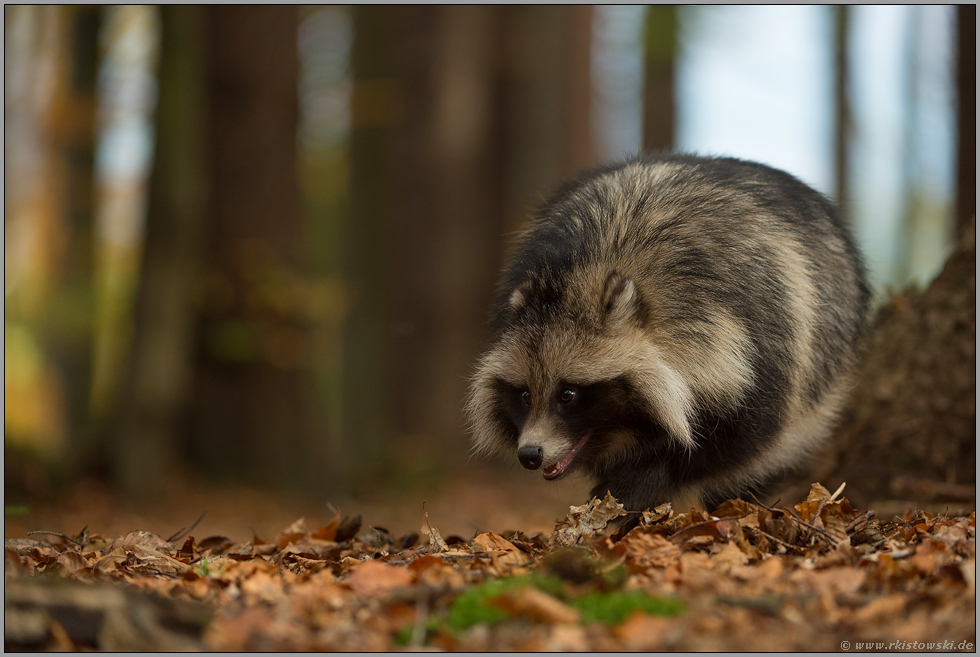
[526, 398]
[568, 395]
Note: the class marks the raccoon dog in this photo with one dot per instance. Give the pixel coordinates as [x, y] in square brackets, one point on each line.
[679, 328]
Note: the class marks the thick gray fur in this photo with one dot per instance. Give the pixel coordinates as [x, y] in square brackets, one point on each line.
[697, 318]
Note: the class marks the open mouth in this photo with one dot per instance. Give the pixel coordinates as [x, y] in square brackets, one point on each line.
[558, 468]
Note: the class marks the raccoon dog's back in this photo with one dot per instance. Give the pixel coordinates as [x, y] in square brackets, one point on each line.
[679, 328]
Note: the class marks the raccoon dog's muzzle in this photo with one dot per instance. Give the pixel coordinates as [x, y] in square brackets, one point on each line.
[532, 456]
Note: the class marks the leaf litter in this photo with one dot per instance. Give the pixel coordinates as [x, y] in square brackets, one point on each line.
[745, 577]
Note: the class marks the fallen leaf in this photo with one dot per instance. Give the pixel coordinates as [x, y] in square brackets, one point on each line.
[109, 561]
[436, 544]
[215, 545]
[643, 632]
[140, 538]
[721, 528]
[293, 534]
[186, 551]
[329, 531]
[505, 552]
[374, 578]
[535, 604]
[729, 557]
[647, 550]
[889, 606]
[262, 587]
[585, 521]
[568, 637]
[735, 509]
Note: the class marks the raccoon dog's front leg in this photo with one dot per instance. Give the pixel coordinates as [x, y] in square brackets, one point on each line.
[635, 488]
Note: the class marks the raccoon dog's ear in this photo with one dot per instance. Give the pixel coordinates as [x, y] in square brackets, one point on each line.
[518, 298]
[621, 300]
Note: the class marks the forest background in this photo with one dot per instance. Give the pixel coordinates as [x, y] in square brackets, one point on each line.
[256, 246]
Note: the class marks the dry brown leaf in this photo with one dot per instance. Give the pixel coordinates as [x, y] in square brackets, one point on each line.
[584, 521]
[436, 542]
[215, 545]
[424, 562]
[238, 571]
[297, 527]
[147, 557]
[779, 524]
[71, 562]
[729, 557]
[642, 632]
[284, 539]
[646, 550]
[735, 509]
[374, 578]
[969, 571]
[329, 531]
[141, 539]
[187, 551]
[503, 551]
[535, 604]
[658, 514]
[236, 634]
[440, 575]
[109, 561]
[568, 637]
[879, 609]
[262, 587]
[722, 528]
[817, 493]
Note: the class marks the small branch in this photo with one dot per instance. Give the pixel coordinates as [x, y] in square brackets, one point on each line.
[695, 525]
[860, 522]
[833, 541]
[64, 536]
[823, 502]
[184, 532]
[769, 536]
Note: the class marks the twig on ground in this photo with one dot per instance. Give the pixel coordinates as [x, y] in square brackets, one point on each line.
[770, 537]
[181, 533]
[64, 536]
[833, 541]
[860, 522]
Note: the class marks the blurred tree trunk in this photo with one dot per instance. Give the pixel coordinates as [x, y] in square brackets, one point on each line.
[546, 70]
[51, 59]
[365, 400]
[152, 402]
[74, 135]
[250, 412]
[478, 90]
[575, 66]
[447, 217]
[658, 87]
[966, 83]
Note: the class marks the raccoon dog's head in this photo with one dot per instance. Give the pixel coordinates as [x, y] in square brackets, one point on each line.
[572, 377]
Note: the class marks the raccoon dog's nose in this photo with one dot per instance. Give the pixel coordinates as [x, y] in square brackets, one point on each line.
[530, 456]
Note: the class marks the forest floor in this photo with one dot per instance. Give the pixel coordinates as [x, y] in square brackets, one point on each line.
[482, 565]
